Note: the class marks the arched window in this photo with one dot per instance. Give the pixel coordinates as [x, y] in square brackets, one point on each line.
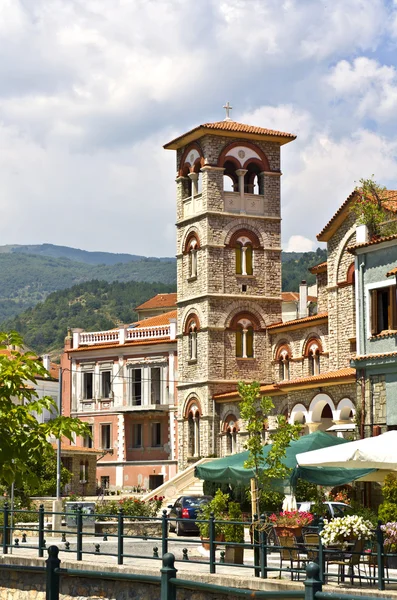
[230, 429]
[244, 256]
[193, 418]
[243, 163]
[191, 248]
[191, 328]
[191, 162]
[230, 178]
[244, 339]
[253, 183]
[284, 365]
[313, 350]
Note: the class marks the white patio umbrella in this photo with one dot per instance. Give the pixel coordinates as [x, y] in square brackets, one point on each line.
[369, 453]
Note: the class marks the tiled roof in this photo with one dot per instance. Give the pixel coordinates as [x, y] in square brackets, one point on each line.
[369, 356]
[392, 272]
[320, 268]
[159, 301]
[390, 204]
[77, 449]
[294, 297]
[322, 378]
[163, 319]
[302, 321]
[228, 127]
[54, 368]
[373, 242]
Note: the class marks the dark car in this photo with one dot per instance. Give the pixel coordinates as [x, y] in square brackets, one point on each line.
[186, 507]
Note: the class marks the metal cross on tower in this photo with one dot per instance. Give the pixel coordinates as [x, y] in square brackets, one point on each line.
[228, 108]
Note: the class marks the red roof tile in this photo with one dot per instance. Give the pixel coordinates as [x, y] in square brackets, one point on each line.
[163, 319]
[323, 378]
[159, 301]
[224, 127]
[294, 297]
[302, 321]
[369, 356]
[373, 242]
[320, 268]
[392, 272]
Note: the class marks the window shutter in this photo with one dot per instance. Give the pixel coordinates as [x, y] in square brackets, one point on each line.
[238, 260]
[250, 342]
[374, 312]
[248, 259]
[392, 308]
[239, 342]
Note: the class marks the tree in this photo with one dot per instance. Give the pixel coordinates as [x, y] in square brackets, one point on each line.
[369, 207]
[254, 410]
[23, 440]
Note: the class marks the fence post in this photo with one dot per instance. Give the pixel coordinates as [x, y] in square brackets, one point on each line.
[120, 536]
[52, 563]
[263, 547]
[79, 541]
[255, 541]
[211, 524]
[5, 528]
[168, 571]
[313, 583]
[41, 530]
[164, 532]
[381, 557]
[321, 557]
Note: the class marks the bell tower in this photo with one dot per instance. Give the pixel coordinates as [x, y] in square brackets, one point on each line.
[228, 268]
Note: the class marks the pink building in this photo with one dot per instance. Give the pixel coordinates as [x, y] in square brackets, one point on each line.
[122, 383]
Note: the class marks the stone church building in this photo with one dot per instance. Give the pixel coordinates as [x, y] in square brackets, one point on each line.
[229, 317]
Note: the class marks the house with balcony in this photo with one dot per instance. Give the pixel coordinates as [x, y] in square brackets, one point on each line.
[122, 383]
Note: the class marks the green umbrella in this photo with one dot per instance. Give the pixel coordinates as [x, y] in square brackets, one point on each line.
[230, 469]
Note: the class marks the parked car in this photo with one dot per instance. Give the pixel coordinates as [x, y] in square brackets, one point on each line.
[186, 507]
[334, 509]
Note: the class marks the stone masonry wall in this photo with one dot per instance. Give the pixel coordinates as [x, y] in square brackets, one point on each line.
[322, 296]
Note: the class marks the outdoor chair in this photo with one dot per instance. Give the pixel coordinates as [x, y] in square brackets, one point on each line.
[370, 559]
[350, 559]
[311, 544]
[289, 552]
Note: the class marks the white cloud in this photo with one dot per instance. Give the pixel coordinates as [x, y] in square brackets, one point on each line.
[298, 243]
[368, 85]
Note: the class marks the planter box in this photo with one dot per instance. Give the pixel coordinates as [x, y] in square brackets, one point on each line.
[234, 555]
[206, 542]
[284, 531]
[139, 528]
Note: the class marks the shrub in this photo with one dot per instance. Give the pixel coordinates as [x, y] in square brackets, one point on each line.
[234, 532]
[132, 507]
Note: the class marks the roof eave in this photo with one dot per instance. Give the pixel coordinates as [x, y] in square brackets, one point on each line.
[200, 131]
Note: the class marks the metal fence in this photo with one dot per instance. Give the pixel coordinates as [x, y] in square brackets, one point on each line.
[368, 565]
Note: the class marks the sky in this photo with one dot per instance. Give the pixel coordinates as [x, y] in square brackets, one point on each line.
[90, 90]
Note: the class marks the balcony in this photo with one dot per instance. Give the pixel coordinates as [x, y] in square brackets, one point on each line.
[192, 205]
[121, 336]
[251, 204]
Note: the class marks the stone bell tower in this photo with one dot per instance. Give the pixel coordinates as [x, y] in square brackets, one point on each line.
[228, 268]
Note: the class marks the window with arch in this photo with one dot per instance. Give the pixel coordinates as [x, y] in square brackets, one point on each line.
[191, 329]
[243, 165]
[244, 242]
[253, 182]
[190, 165]
[312, 352]
[230, 430]
[193, 421]
[283, 358]
[191, 249]
[244, 339]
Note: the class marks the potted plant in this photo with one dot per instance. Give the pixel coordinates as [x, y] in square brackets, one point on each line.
[218, 506]
[289, 523]
[342, 530]
[390, 543]
[234, 533]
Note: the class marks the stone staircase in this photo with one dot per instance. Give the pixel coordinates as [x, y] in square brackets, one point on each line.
[183, 483]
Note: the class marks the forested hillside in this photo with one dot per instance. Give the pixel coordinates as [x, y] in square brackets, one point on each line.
[294, 270]
[93, 305]
[26, 279]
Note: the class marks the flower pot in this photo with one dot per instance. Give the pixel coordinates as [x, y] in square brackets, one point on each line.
[284, 531]
[206, 542]
[234, 555]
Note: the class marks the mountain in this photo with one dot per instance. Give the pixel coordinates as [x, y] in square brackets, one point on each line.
[28, 274]
[93, 305]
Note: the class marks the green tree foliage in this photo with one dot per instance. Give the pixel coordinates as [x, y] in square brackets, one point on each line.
[388, 509]
[254, 410]
[23, 440]
[295, 268]
[369, 207]
[94, 305]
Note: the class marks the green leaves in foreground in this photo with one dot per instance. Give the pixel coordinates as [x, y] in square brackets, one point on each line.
[23, 440]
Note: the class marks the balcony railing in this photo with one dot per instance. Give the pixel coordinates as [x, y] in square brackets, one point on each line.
[120, 336]
[250, 203]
